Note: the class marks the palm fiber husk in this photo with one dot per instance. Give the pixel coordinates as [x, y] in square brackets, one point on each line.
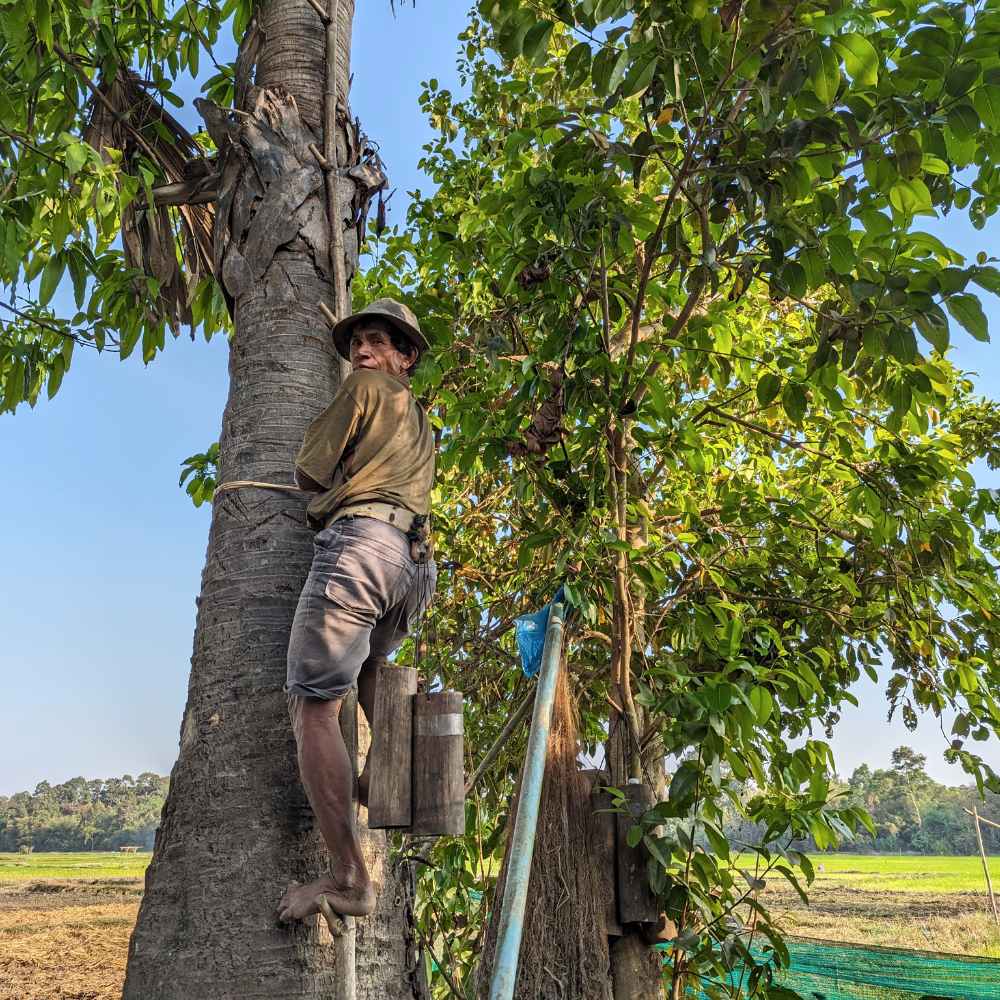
[174, 246]
[564, 947]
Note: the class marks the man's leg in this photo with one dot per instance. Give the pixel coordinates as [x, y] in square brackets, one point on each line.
[327, 776]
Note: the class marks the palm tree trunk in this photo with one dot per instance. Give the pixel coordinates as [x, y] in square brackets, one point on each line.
[236, 825]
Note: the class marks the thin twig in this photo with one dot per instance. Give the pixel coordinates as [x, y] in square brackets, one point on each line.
[322, 14]
[78, 338]
[448, 980]
[494, 751]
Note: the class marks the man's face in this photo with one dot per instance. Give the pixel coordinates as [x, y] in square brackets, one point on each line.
[372, 349]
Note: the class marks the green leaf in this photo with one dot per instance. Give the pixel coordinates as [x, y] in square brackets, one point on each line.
[968, 311]
[639, 76]
[577, 65]
[768, 387]
[824, 74]
[51, 275]
[842, 254]
[963, 121]
[78, 275]
[795, 402]
[76, 157]
[900, 397]
[634, 836]
[793, 277]
[601, 67]
[782, 993]
[934, 165]
[933, 324]
[43, 22]
[56, 372]
[909, 155]
[987, 102]
[910, 196]
[860, 58]
[986, 277]
[536, 40]
[683, 784]
[618, 70]
[762, 703]
[903, 344]
[931, 41]
[960, 78]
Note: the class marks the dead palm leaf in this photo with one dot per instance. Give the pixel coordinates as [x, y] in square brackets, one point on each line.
[172, 244]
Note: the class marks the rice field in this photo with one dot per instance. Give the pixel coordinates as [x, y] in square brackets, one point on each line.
[81, 865]
[900, 872]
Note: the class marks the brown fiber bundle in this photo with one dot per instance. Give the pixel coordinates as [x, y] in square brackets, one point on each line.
[126, 118]
[564, 947]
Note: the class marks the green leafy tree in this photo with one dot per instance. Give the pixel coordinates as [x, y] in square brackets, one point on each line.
[693, 361]
[910, 766]
[895, 798]
[78, 815]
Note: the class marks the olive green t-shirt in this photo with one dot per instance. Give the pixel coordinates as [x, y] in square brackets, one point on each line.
[372, 443]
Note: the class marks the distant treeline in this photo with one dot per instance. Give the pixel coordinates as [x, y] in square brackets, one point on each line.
[81, 815]
[912, 812]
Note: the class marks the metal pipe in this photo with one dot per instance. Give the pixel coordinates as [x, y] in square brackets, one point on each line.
[522, 842]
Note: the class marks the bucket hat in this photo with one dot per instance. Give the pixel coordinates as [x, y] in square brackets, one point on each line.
[395, 313]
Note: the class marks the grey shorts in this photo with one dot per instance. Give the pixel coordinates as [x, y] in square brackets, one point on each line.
[362, 597]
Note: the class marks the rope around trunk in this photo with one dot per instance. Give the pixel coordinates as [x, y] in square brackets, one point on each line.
[242, 483]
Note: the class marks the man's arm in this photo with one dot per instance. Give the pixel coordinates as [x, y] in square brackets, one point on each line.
[305, 482]
[326, 440]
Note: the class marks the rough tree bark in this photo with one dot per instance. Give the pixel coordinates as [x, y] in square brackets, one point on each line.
[236, 825]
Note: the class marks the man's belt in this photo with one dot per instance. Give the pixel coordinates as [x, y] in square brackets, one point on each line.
[398, 517]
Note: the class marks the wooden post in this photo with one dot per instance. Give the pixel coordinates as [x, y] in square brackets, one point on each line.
[349, 728]
[438, 778]
[345, 937]
[635, 970]
[602, 836]
[390, 801]
[636, 902]
[986, 866]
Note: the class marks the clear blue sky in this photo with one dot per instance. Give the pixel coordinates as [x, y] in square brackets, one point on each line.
[102, 553]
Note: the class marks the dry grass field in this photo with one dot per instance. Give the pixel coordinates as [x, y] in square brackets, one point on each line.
[65, 940]
[957, 923]
[65, 920]
[924, 903]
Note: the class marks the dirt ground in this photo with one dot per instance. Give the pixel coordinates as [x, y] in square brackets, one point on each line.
[67, 940]
[62, 940]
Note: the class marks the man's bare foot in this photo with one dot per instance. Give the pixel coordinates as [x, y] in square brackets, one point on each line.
[364, 780]
[301, 901]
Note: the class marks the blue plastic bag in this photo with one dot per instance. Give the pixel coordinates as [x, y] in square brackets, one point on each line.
[530, 631]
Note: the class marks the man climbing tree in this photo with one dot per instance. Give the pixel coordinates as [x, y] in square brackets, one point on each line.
[369, 458]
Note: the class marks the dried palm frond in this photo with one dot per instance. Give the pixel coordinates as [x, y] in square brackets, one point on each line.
[175, 249]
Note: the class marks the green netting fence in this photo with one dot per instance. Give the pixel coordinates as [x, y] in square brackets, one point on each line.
[829, 970]
[825, 970]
